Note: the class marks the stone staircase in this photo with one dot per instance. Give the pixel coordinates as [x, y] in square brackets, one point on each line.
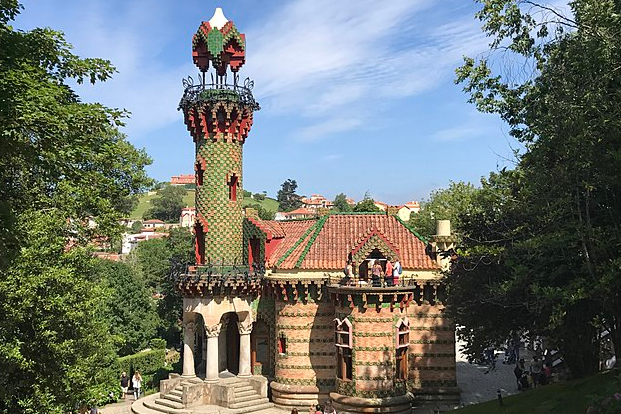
[244, 400]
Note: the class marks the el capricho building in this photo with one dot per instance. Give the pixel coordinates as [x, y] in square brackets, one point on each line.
[267, 319]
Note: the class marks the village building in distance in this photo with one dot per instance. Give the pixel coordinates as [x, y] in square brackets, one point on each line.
[266, 303]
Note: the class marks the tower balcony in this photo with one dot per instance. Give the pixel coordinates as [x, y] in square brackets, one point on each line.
[215, 92]
[217, 279]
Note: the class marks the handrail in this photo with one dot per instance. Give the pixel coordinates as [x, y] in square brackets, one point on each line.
[199, 93]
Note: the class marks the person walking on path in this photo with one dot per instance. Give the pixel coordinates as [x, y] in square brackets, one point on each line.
[536, 367]
[124, 384]
[136, 384]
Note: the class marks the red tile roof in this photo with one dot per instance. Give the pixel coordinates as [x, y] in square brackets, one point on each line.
[325, 243]
[292, 231]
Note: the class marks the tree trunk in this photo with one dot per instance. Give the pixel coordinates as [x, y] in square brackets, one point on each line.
[578, 343]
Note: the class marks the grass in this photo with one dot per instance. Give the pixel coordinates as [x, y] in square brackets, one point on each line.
[144, 203]
[571, 397]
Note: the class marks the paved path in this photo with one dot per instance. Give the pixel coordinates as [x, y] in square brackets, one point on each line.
[477, 386]
[123, 407]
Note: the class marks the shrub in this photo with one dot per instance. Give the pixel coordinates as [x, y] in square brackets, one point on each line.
[157, 343]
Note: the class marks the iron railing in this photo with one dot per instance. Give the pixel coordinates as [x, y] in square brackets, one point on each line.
[215, 92]
[215, 272]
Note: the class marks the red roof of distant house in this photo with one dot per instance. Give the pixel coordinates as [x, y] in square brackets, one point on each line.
[301, 212]
[326, 243]
[153, 221]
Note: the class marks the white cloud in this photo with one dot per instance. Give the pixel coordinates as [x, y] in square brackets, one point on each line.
[325, 60]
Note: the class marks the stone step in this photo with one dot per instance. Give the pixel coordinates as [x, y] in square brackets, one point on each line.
[175, 398]
[245, 393]
[139, 408]
[249, 403]
[252, 397]
[238, 384]
[154, 405]
[243, 388]
[178, 393]
[258, 409]
[169, 403]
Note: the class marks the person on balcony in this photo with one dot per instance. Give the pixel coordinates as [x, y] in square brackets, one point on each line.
[388, 272]
[396, 272]
[376, 274]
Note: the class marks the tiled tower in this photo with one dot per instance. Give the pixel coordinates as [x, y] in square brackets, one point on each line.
[219, 116]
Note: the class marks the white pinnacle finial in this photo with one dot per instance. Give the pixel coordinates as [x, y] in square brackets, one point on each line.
[218, 20]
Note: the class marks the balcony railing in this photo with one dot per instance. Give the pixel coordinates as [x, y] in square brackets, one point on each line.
[220, 272]
[215, 92]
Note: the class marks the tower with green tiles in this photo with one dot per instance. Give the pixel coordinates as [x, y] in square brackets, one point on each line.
[218, 112]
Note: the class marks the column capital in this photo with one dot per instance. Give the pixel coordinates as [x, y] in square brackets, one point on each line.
[190, 327]
[214, 330]
[245, 327]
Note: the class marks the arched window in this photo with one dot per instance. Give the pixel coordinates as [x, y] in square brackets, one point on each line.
[282, 344]
[233, 187]
[343, 342]
[402, 346]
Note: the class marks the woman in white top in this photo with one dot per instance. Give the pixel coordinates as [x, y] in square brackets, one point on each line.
[136, 384]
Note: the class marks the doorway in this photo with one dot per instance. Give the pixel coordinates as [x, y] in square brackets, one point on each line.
[231, 342]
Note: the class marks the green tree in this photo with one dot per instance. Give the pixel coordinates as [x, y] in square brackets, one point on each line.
[367, 204]
[566, 112]
[136, 226]
[341, 204]
[264, 214]
[62, 161]
[153, 259]
[288, 200]
[130, 309]
[259, 196]
[168, 206]
[443, 204]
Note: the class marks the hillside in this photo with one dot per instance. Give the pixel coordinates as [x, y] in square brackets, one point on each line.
[571, 397]
[145, 200]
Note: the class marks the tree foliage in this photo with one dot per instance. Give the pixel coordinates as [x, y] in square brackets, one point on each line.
[130, 309]
[62, 161]
[341, 204]
[168, 206]
[557, 265]
[366, 205]
[443, 204]
[288, 200]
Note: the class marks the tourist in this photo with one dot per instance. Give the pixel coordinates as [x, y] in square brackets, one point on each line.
[136, 384]
[546, 373]
[124, 384]
[294, 411]
[520, 375]
[396, 271]
[388, 272]
[318, 409]
[536, 367]
[328, 408]
[376, 274]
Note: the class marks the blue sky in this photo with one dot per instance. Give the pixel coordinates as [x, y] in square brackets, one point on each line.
[356, 96]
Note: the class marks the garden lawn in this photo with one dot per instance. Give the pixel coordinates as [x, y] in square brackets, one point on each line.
[571, 397]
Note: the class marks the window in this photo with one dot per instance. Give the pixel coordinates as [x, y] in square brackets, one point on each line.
[402, 346]
[199, 174]
[233, 187]
[282, 344]
[343, 342]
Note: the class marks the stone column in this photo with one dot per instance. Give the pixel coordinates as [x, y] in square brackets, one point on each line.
[244, 348]
[212, 371]
[189, 335]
